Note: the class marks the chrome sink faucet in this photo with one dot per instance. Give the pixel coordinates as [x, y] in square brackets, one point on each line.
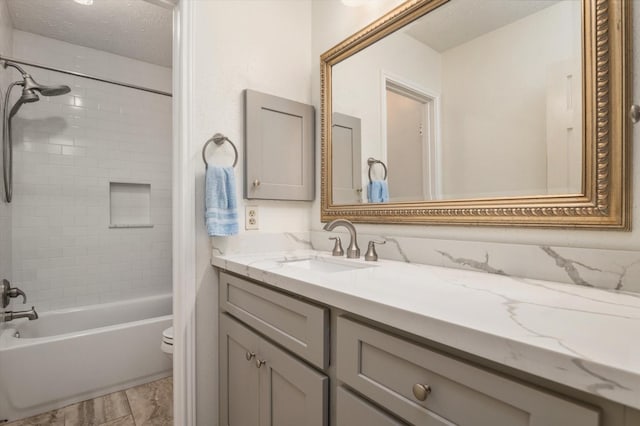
[31, 314]
[353, 251]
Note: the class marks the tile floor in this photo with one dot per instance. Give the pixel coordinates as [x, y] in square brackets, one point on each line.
[150, 404]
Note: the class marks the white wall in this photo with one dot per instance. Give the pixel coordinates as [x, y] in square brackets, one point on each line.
[333, 22]
[260, 45]
[497, 137]
[6, 48]
[67, 150]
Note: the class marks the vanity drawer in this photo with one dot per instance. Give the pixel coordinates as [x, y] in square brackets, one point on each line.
[385, 368]
[352, 410]
[301, 327]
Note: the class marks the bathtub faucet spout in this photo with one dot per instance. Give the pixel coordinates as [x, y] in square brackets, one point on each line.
[31, 314]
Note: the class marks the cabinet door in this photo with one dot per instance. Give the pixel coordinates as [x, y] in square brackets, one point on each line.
[292, 394]
[239, 377]
[279, 148]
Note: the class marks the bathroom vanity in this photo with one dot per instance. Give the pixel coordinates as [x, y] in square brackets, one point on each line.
[309, 339]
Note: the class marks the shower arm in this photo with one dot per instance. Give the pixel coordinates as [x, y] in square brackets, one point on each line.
[6, 64]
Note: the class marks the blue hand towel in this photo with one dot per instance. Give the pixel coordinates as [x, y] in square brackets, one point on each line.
[378, 191]
[221, 214]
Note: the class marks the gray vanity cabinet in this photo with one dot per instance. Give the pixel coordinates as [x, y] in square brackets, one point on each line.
[276, 369]
[262, 385]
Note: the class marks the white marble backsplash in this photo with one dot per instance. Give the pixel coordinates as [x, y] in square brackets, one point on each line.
[606, 269]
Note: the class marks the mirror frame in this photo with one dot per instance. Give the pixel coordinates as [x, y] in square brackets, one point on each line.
[605, 202]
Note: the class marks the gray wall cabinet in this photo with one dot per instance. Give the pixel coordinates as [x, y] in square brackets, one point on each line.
[346, 159]
[279, 148]
[376, 376]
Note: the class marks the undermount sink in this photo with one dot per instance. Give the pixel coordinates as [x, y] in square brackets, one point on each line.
[324, 264]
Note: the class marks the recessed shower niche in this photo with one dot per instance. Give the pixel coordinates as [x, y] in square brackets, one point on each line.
[130, 205]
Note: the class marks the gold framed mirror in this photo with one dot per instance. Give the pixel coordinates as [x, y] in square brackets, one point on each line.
[473, 165]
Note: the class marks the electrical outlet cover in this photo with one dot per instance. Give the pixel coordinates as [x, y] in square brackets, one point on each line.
[251, 218]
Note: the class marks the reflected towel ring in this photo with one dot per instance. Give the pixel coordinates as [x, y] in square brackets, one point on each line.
[219, 139]
[371, 161]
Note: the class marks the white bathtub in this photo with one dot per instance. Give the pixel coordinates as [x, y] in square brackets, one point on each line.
[75, 354]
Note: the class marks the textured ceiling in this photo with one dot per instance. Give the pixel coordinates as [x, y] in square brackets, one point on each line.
[457, 22]
[133, 28]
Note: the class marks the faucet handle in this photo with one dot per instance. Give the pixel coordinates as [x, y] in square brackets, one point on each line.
[8, 292]
[371, 254]
[15, 292]
[337, 248]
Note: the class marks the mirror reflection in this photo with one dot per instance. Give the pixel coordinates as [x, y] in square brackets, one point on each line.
[476, 99]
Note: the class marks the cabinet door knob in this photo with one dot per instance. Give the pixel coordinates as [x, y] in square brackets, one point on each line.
[421, 392]
[249, 356]
[256, 183]
[260, 362]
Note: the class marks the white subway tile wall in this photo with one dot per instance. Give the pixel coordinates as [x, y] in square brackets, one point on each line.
[55, 53]
[67, 151]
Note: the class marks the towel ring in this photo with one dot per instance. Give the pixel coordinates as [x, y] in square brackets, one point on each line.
[219, 139]
[371, 161]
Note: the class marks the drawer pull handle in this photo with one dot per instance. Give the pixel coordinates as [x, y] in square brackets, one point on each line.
[260, 362]
[421, 392]
[249, 356]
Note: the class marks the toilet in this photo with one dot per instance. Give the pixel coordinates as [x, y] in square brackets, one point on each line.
[167, 342]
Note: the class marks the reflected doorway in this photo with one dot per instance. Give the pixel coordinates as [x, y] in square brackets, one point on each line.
[412, 132]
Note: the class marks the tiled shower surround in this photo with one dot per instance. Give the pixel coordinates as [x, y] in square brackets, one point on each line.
[68, 149]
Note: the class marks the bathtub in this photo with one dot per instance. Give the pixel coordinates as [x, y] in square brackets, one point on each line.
[71, 355]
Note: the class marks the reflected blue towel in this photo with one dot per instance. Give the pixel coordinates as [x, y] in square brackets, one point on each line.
[378, 191]
[221, 213]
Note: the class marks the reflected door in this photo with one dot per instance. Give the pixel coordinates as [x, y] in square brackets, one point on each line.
[564, 128]
[409, 131]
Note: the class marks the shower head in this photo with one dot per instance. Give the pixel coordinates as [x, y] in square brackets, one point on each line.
[30, 84]
[28, 96]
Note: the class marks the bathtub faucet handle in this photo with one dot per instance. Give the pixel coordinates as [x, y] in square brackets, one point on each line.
[15, 292]
[7, 292]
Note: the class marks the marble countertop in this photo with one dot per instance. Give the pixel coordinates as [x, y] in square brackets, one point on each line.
[584, 338]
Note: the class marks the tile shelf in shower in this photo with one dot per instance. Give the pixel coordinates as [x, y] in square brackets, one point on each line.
[131, 225]
[130, 205]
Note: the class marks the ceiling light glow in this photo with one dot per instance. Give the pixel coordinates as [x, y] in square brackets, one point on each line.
[84, 2]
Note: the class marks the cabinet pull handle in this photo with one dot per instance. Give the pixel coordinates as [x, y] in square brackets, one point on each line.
[421, 392]
[249, 355]
[256, 183]
[260, 362]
